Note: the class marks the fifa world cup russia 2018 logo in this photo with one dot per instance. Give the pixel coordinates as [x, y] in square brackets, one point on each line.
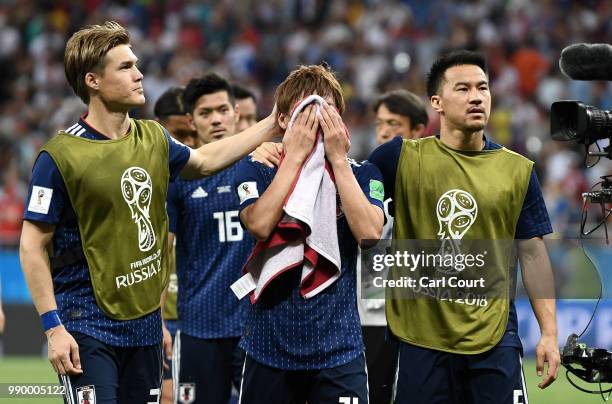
[41, 194]
[456, 211]
[137, 190]
[245, 187]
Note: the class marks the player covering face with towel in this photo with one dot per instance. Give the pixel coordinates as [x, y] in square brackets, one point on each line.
[308, 345]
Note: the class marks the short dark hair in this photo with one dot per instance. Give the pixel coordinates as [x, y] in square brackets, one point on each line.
[404, 103]
[242, 93]
[207, 84]
[455, 58]
[170, 103]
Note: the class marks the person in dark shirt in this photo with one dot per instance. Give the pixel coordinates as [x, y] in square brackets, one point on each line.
[211, 248]
[398, 114]
[170, 112]
[495, 194]
[309, 348]
[247, 107]
[97, 201]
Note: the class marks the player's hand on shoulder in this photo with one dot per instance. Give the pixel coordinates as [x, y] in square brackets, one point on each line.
[299, 139]
[337, 143]
[268, 153]
[63, 352]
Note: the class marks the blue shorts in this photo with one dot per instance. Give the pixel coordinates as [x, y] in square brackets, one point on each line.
[346, 383]
[171, 326]
[207, 369]
[114, 375]
[427, 376]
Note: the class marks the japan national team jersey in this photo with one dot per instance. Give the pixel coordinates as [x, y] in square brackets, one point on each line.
[76, 303]
[211, 248]
[286, 331]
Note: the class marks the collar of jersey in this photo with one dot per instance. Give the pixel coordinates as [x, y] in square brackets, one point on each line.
[91, 132]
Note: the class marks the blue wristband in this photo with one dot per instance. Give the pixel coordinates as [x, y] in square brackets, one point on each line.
[50, 319]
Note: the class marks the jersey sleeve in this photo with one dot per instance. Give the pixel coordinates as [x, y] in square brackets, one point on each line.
[386, 158]
[178, 155]
[250, 181]
[172, 207]
[47, 194]
[370, 181]
[533, 220]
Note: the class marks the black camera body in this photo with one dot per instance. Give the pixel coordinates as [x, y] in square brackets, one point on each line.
[596, 363]
[572, 120]
[575, 121]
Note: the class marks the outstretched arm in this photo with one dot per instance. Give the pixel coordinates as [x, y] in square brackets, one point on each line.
[214, 157]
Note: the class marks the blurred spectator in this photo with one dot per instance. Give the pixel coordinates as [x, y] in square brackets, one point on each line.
[373, 45]
[2, 318]
[247, 107]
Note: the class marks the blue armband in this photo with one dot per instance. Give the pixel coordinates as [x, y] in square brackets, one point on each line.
[50, 319]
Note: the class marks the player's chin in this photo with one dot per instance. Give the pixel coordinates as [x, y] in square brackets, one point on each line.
[476, 124]
[137, 100]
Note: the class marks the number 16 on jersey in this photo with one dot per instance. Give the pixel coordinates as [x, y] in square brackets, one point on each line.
[229, 226]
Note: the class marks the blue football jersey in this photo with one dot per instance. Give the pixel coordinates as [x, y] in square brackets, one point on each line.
[211, 249]
[76, 303]
[285, 330]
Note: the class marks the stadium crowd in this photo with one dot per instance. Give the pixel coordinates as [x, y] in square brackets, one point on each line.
[374, 46]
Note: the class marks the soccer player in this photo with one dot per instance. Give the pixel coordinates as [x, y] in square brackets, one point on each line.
[247, 105]
[170, 111]
[308, 350]
[211, 248]
[450, 351]
[398, 113]
[97, 202]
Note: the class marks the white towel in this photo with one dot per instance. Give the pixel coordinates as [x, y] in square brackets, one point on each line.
[306, 235]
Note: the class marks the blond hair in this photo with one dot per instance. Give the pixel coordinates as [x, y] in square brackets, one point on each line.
[85, 51]
[307, 80]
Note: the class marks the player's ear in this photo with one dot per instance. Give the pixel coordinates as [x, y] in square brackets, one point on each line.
[283, 121]
[236, 113]
[92, 80]
[436, 103]
[191, 123]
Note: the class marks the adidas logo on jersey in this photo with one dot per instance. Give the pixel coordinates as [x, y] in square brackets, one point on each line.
[199, 193]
